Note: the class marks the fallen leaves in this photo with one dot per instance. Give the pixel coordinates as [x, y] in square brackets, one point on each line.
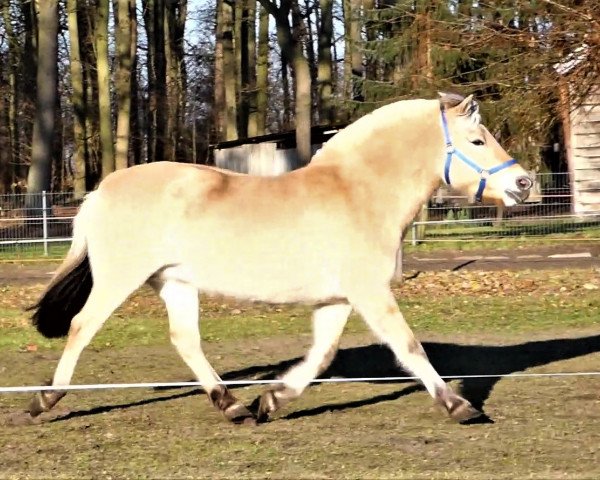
[500, 283]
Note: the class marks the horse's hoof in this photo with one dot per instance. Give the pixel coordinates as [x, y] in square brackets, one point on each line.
[267, 404]
[44, 401]
[459, 409]
[466, 413]
[37, 405]
[239, 415]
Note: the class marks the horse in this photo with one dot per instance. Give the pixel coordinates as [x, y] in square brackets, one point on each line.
[325, 235]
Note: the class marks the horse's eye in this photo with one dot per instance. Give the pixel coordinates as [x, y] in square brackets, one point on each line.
[478, 142]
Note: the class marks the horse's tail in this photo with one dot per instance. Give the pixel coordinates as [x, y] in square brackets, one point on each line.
[70, 287]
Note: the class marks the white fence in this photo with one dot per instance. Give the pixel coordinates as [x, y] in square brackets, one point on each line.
[548, 211]
[41, 224]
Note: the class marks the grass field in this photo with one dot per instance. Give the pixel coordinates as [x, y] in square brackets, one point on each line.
[470, 322]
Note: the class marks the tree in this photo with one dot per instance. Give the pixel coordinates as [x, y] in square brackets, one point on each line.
[154, 22]
[325, 71]
[77, 100]
[39, 177]
[289, 39]
[176, 13]
[12, 155]
[229, 71]
[123, 83]
[103, 72]
[262, 72]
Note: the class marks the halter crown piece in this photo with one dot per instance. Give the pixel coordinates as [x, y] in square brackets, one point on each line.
[483, 173]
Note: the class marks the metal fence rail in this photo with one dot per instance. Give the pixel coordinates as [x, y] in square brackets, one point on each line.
[42, 224]
[31, 223]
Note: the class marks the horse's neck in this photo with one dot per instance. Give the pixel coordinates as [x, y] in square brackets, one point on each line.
[392, 158]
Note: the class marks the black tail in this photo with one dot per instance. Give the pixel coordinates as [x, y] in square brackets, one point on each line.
[63, 299]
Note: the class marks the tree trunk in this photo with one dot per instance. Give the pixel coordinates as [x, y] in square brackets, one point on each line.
[77, 100]
[174, 54]
[136, 105]
[240, 53]
[103, 73]
[303, 104]
[7, 183]
[324, 78]
[160, 69]
[154, 21]
[12, 154]
[249, 67]
[39, 177]
[219, 109]
[356, 58]
[123, 83]
[262, 72]
[229, 72]
[87, 22]
[29, 55]
[292, 51]
[307, 39]
[371, 34]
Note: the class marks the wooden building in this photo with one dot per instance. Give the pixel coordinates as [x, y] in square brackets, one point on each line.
[267, 155]
[581, 129]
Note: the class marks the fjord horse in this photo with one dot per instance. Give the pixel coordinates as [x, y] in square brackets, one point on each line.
[326, 234]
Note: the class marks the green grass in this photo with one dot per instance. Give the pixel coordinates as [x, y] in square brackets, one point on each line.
[28, 252]
[446, 315]
[345, 430]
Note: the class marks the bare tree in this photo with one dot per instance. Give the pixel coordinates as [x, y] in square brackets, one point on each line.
[103, 73]
[324, 78]
[39, 177]
[262, 71]
[288, 37]
[123, 83]
[77, 100]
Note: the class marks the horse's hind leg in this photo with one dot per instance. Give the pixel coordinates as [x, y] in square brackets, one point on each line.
[101, 302]
[380, 311]
[181, 300]
[328, 325]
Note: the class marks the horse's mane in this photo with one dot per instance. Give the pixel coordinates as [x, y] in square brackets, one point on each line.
[365, 127]
[360, 131]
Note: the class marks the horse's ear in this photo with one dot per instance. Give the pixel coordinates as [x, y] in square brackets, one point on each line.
[467, 107]
[449, 100]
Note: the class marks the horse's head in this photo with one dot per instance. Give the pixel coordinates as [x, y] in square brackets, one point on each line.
[475, 163]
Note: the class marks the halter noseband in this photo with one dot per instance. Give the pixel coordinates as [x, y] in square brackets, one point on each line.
[483, 173]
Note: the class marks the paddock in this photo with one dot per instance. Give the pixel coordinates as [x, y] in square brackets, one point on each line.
[471, 322]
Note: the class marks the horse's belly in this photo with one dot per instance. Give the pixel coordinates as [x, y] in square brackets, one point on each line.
[267, 282]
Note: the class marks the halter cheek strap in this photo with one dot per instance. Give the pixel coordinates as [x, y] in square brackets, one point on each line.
[452, 152]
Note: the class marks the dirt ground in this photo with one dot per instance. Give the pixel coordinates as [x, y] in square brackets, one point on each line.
[521, 258]
[470, 322]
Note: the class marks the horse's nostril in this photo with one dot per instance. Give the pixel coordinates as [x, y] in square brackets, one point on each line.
[524, 183]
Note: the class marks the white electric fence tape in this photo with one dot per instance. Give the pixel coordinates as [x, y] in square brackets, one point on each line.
[166, 385]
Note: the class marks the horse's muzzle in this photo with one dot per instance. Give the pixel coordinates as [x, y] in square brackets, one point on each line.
[523, 186]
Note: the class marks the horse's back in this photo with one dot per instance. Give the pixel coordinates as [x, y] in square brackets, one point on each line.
[273, 238]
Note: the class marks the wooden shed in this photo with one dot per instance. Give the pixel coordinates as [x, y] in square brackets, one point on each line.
[271, 154]
[581, 128]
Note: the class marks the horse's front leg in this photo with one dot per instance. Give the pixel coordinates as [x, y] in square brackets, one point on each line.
[380, 311]
[328, 325]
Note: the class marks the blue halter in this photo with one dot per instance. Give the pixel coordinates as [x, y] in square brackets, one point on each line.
[484, 173]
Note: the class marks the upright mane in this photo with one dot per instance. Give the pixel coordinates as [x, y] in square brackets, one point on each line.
[397, 113]
[402, 116]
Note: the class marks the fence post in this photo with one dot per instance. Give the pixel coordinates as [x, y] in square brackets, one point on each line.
[45, 222]
[413, 230]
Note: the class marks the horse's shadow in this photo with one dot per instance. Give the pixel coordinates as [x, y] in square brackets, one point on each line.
[449, 359]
